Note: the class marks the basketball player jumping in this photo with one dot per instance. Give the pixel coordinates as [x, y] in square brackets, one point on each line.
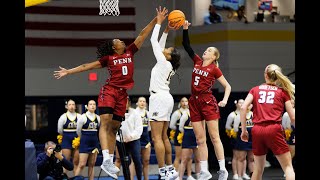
[112, 99]
[161, 101]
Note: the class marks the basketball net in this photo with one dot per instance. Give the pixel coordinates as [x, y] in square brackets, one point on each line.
[109, 7]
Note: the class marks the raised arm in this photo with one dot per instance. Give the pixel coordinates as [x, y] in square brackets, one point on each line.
[161, 15]
[163, 38]
[144, 33]
[84, 67]
[186, 41]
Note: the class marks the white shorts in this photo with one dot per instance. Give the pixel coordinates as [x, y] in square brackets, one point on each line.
[160, 106]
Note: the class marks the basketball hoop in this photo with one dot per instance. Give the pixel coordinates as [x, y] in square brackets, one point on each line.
[109, 7]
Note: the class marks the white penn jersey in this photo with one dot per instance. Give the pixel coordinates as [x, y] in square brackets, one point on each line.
[163, 71]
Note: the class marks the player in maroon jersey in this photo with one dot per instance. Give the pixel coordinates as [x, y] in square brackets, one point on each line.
[203, 105]
[118, 59]
[269, 100]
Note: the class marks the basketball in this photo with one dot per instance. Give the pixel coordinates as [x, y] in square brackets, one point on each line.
[176, 17]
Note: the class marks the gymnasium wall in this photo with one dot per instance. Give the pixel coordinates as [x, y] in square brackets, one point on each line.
[245, 51]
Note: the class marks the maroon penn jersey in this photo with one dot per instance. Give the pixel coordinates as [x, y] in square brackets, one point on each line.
[203, 78]
[268, 103]
[120, 68]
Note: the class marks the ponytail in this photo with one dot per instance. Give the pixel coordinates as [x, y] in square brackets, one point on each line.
[274, 72]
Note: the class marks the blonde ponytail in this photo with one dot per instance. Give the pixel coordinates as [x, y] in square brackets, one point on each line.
[276, 76]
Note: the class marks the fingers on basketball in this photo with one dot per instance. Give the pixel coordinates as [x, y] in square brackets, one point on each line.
[176, 18]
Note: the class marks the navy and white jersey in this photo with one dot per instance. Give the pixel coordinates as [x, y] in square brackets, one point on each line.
[185, 121]
[87, 130]
[239, 144]
[175, 118]
[67, 126]
[249, 123]
[144, 139]
[230, 119]
[88, 123]
[287, 124]
[68, 122]
[175, 123]
[189, 138]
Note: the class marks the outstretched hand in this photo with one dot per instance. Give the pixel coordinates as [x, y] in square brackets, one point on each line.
[186, 24]
[161, 14]
[62, 72]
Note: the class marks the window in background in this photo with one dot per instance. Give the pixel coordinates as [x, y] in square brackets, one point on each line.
[36, 116]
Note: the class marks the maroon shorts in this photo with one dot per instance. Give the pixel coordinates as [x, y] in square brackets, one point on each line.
[203, 107]
[268, 136]
[113, 97]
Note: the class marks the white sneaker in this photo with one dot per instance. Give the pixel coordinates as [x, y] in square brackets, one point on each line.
[172, 174]
[108, 167]
[267, 164]
[223, 175]
[205, 175]
[190, 178]
[246, 176]
[235, 177]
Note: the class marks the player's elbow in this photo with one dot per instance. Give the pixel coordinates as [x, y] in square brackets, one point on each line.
[227, 87]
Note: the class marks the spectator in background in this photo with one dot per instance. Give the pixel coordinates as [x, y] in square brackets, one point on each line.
[131, 131]
[87, 129]
[67, 128]
[241, 14]
[213, 17]
[51, 162]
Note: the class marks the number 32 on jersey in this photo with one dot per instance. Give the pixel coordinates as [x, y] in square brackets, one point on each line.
[266, 97]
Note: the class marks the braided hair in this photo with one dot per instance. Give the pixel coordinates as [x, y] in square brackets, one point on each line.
[105, 48]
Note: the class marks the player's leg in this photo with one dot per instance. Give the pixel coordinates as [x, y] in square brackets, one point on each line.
[156, 133]
[196, 159]
[213, 130]
[211, 114]
[259, 162]
[112, 105]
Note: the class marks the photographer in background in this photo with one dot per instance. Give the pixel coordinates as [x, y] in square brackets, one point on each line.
[50, 163]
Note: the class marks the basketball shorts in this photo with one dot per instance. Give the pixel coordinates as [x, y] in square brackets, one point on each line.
[113, 97]
[203, 107]
[160, 106]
